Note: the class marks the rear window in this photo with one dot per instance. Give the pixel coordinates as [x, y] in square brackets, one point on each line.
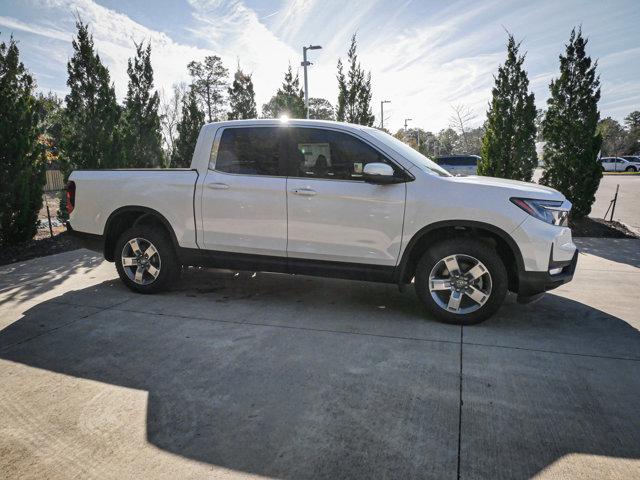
[249, 151]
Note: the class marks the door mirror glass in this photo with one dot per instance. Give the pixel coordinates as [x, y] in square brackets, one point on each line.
[378, 173]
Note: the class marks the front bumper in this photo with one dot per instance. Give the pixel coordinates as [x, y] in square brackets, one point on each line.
[532, 285]
[89, 241]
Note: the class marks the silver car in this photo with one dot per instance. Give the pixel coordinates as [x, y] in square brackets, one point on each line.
[619, 164]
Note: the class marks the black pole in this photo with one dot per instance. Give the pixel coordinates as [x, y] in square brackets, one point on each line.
[615, 199]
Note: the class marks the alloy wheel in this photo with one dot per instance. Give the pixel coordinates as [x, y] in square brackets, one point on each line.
[141, 261]
[460, 284]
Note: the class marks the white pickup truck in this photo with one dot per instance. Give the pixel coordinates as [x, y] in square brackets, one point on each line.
[330, 199]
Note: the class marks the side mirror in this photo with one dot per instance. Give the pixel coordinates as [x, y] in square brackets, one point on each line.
[380, 173]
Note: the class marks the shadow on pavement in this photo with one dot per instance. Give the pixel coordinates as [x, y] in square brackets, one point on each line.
[619, 250]
[287, 401]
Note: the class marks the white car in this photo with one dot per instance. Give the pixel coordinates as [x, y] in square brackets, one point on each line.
[330, 199]
[619, 164]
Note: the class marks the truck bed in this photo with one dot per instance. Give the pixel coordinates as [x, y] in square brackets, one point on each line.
[170, 192]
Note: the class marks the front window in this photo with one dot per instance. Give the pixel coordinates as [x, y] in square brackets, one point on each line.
[409, 153]
[328, 154]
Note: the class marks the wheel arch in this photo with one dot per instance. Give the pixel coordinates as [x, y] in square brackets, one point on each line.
[504, 244]
[128, 216]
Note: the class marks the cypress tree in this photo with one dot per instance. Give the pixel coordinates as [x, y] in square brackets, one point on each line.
[570, 128]
[21, 156]
[90, 135]
[354, 91]
[242, 98]
[141, 136]
[189, 126]
[508, 145]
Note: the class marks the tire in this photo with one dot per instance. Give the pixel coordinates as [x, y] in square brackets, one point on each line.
[159, 270]
[474, 258]
[630, 169]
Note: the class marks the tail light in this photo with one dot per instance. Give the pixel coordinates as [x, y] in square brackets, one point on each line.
[71, 196]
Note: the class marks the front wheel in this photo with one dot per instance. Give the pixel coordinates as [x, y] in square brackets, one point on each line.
[630, 169]
[461, 281]
[145, 259]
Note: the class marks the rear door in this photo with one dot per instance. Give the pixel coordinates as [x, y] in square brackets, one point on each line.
[244, 206]
[608, 164]
[333, 214]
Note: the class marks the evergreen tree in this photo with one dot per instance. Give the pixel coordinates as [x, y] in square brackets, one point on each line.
[191, 121]
[288, 100]
[90, 135]
[321, 109]
[210, 85]
[141, 136]
[509, 143]
[242, 99]
[570, 128]
[21, 156]
[354, 91]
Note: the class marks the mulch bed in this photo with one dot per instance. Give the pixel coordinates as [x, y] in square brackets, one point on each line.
[597, 227]
[41, 246]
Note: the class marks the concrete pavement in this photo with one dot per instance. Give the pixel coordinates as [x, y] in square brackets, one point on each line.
[236, 375]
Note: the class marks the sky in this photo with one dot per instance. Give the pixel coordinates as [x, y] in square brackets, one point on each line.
[424, 56]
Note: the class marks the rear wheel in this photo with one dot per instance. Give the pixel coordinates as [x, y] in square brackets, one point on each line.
[145, 259]
[461, 281]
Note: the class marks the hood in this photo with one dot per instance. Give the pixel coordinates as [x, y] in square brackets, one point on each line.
[515, 187]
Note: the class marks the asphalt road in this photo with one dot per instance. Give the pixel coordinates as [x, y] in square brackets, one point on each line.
[628, 205]
[235, 375]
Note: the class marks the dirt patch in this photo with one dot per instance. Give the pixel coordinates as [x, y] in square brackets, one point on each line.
[42, 245]
[597, 227]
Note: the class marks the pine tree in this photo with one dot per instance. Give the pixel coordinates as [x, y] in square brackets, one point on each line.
[288, 100]
[242, 99]
[90, 136]
[570, 128]
[509, 143]
[141, 136]
[21, 156]
[191, 121]
[210, 85]
[354, 91]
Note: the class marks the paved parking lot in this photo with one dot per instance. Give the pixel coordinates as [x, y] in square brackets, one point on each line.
[628, 206]
[236, 375]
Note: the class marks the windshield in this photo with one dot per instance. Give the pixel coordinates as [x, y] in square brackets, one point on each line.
[409, 153]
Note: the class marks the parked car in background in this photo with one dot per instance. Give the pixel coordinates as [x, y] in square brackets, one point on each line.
[459, 164]
[331, 199]
[619, 164]
[632, 158]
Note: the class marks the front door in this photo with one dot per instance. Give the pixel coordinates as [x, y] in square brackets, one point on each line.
[244, 206]
[333, 214]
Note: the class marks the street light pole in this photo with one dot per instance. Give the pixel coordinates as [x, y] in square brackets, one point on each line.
[405, 122]
[305, 64]
[382, 112]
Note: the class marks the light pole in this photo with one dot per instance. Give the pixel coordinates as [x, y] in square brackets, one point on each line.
[305, 64]
[405, 122]
[382, 112]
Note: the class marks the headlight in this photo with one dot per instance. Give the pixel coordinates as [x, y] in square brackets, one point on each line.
[549, 211]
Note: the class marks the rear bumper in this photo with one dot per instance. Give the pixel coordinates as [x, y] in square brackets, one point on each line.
[87, 240]
[533, 284]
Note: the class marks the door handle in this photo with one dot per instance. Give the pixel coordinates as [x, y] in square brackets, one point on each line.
[307, 192]
[218, 186]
